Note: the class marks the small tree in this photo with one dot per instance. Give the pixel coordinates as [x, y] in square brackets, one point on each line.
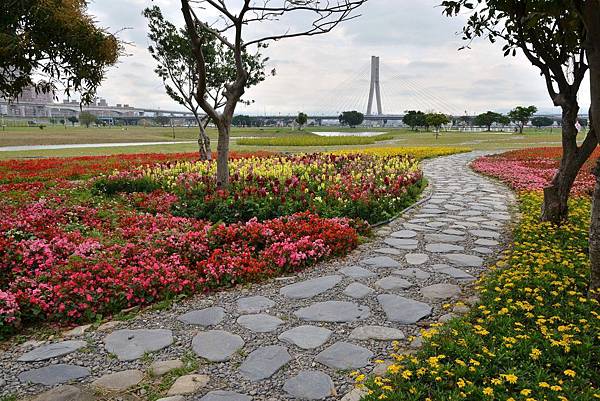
[241, 120]
[233, 27]
[414, 119]
[351, 118]
[301, 119]
[521, 115]
[436, 120]
[172, 49]
[56, 39]
[87, 118]
[73, 120]
[488, 118]
[540, 122]
[162, 120]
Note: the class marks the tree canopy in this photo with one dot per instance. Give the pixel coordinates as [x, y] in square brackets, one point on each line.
[87, 118]
[542, 122]
[351, 118]
[176, 66]
[521, 115]
[56, 40]
[554, 37]
[301, 119]
[489, 117]
[436, 120]
[414, 119]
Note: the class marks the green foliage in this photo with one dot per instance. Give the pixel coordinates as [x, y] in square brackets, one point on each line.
[176, 66]
[351, 118]
[162, 120]
[436, 120]
[241, 120]
[73, 120]
[414, 119]
[489, 117]
[313, 140]
[301, 119]
[56, 39]
[533, 336]
[116, 185]
[521, 115]
[542, 122]
[87, 118]
[551, 34]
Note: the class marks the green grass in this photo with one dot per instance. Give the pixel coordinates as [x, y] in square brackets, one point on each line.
[313, 140]
[53, 135]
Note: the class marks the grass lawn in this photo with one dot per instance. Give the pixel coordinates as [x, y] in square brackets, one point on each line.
[20, 136]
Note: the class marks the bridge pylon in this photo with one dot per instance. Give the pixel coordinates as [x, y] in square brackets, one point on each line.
[374, 87]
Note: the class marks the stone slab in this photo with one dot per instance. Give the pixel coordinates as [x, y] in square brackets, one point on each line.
[380, 333]
[310, 385]
[53, 350]
[306, 337]
[357, 290]
[403, 310]
[54, 374]
[204, 317]
[333, 311]
[255, 304]
[259, 323]
[343, 355]
[216, 345]
[129, 345]
[310, 288]
[263, 362]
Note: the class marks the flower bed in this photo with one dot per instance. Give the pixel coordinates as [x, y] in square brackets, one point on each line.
[70, 263]
[533, 169]
[12, 171]
[358, 186]
[418, 152]
[534, 336]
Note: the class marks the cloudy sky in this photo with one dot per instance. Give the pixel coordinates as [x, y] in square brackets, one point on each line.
[421, 66]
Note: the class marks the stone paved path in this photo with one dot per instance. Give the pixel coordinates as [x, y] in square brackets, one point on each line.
[292, 337]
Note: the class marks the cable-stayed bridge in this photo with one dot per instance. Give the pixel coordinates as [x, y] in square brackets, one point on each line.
[383, 91]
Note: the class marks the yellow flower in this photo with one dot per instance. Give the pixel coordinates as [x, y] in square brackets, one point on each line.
[569, 372]
[535, 354]
[406, 374]
[525, 392]
[510, 378]
[488, 391]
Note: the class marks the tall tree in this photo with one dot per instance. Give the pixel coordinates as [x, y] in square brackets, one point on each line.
[351, 118]
[521, 115]
[301, 119]
[488, 118]
[232, 27]
[551, 35]
[57, 41]
[590, 14]
[177, 67]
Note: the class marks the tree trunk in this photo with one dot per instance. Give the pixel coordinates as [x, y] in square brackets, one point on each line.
[594, 239]
[555, 208]
[204, 143]
[223, 156]
[591, 14]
